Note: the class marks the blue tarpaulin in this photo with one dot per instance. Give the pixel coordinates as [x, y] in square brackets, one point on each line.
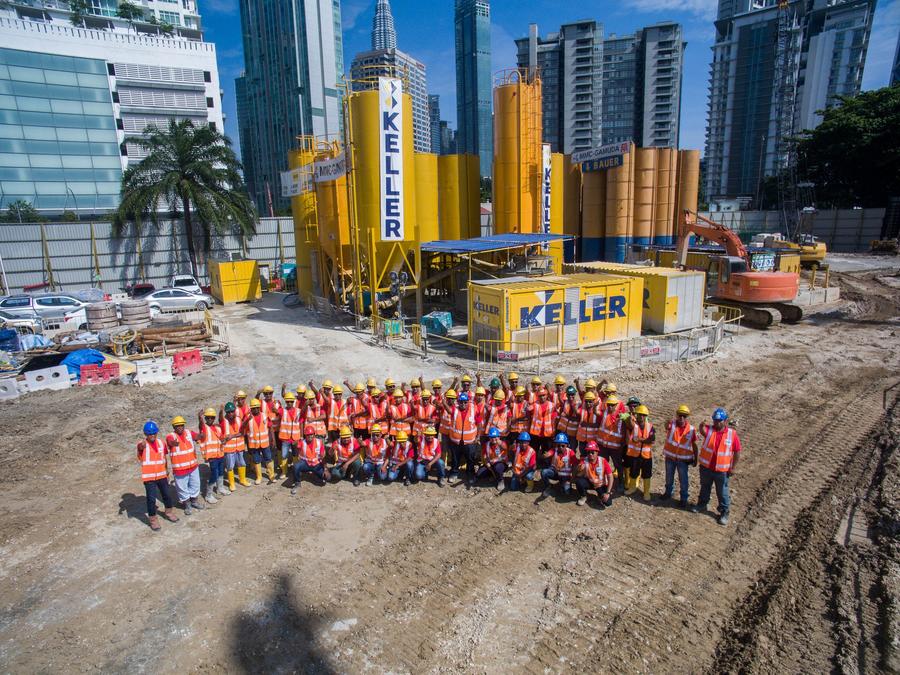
[494, 242]
[82, 357]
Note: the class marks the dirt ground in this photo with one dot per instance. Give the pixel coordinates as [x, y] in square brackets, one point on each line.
[806, 577]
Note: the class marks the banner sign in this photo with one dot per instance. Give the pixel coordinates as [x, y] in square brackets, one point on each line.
[295, 182]
[330, 169]
[391, 139]
[602, 158]
[545, 194]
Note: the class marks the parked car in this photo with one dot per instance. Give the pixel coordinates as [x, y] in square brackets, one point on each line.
[67, 320]
[186, 282]
[24, 324]
[170, 299]
[43, 304]
[139, 290]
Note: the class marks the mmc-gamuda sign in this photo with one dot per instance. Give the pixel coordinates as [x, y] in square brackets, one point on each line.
[391, 136]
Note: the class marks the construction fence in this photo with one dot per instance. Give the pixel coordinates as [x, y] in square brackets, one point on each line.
[74, 256]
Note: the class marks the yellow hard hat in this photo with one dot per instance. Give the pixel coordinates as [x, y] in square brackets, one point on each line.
[535, 380]
[254, 403]
[209, 412]
[479, 390]
[289, 396]
[513, 377]
[499, 395]
[426, 393]
[466, 378]
[402, 436]
[376, 429]
[590, 396]
[345, 432]
[371, 382]
[338, 389]
[178, 420]
[520, 391]
[451, 393]
[310, 395]
[590, 384]
[389, 383]
[241, 394]
[683, 410]
[398, 393]
[641, 410]
[376, 392]
[327, 384]
[610, 387]
[612, 399]
[268, 389]
[358, 387]
[415, 382]
[301, 389]
[430, 431]
[559, 380]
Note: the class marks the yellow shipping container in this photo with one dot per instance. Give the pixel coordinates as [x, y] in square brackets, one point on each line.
[673, 299]
[699, 260]
[530, 315]
[234, 281]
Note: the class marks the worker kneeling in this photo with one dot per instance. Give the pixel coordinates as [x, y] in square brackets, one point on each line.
[376, 455]
[495, 459]
[429, 458]
[594, 473]
[347, 463]
[562, 460]
[401, 459]
[524, 463]
[310, 458]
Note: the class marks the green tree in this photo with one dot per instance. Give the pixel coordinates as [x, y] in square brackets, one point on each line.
[79, 9]
[68, 216]
[21, 211]
[853, 156]
[486, 187]
[166, 28]
[194, 172]
[130, 12]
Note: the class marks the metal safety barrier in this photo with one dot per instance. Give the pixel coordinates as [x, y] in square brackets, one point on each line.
[687, 346]
[491, 353]
[731, 317]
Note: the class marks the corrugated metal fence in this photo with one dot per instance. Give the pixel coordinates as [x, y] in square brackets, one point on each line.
[73, 251]
[842, 230]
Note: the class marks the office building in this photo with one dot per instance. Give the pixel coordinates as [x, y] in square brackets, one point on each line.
[600, 89]
[773, 68]
[392, 62]
[448, 139]
[434, 122]
[70, 95]
[895, 71]
[474, 87]
[293, 67]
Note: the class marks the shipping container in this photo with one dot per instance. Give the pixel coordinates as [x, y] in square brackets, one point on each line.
[762, 260]
[673, 299]
[529, 315]
[234, 281]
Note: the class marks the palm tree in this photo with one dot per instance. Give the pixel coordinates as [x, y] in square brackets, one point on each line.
[194, 172]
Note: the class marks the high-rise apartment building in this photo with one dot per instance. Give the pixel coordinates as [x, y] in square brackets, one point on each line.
[474, 87]
[70, 95]
[773, 68]
[293, 65]
[600, 89]
[391, 62]
[434, 122]
[895, 71]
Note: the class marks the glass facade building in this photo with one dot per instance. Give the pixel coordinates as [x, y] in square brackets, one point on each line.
[474, 88]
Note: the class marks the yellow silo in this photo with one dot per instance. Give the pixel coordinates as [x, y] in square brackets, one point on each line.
[571, 206]
[688, 186]
[334, 227]
[644, 194]
[557, 206]
[619, 208]
[427, 195]
[662, 212]
[303, 210]
[593, 214]
[459, 197]
[517, 152]
[673, 196]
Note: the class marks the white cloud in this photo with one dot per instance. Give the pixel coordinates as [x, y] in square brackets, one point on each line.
[351, 11]
[882, 45]
[702, 8]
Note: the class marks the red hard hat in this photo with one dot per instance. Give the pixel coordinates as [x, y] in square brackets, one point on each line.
[309, 429]
[591, 447]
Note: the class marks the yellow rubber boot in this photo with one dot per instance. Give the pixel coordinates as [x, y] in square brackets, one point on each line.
[242, 476]
[646, 489]
[230, 474]
[630, 483]
[282, 467]
[257, 469]
[530, 484]
[270, 471]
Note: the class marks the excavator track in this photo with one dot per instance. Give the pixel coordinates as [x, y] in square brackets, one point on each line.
[756, 316]
[789, 313]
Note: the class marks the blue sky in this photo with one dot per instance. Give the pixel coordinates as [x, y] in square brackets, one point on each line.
[425, 30]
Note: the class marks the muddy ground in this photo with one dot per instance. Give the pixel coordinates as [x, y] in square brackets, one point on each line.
[423, 579]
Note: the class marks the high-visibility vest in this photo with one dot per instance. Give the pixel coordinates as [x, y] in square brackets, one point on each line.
[291, 425]
[678, 445]
[424, 418]
[569, 417]
[399, 412]
[498, 417]
[638, 434]
[354, 406]
[153, 461]
[211, 445]
[481, 411]
[523, 459]
[257, 432]
[337, 415]
[517, 411]
[437, 399]
[376, 411]
[429, 449]
[447, 422]
[241, 412]
[270, 408]
[400, 452]
[318, 424]
[465, 429]
[345, 452]
[612, 431]
[495, 451]
[717, 451]
[595, 471]
[375, 452]
[588, 425]
[311, 452]
[229, 428]
[184, 454]
[563, 461]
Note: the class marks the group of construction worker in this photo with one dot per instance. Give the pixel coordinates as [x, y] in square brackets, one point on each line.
[581, 437]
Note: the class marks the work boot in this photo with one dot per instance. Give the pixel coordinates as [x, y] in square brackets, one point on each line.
[197, 504]
[231, 485]
[154, 523]
[406, 482]
[282, 467]
[220, 486]
[258, 470]
[370, 481]
[683, 504]
[270, 471]
[187, 508]
[546, 492]
[500, 485]
[440, 482]
[355, 482]
[697, 508]
[242, 476]
[529, 485]
[582, 501]
[723, 519]
[646, 490]
[210, 497]
[294, 488]
[169, 514]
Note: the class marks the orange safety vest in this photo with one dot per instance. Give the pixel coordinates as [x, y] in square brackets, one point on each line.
[718, 457]
[400, 452]
[319, 425]
[337, 415]
[517, 425]
[588, 425]
[595, 471]
[447, 422]
[678, 444]
[611, 430]
[375, 452]
[270, 408]
[153, 461]
[523, 459]
[465, 429]
[635, 447]
[234, 444]
[424, 418]
[184, 455]
[257, 432]
[345, 452]
[429, 449]
[211, 446]
[498, 417]
[569, 417]
[399, 412]
[495, 451]
[354, 406]
[242, 412]
[291, 425]
[562, 461]
[377, 411]
[542, 419]
[312, 453]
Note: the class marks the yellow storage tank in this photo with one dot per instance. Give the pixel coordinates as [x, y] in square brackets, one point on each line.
[427, 196]
[333, 213]
[459, 197]
[530, 315]
[593, 216]
[303, 210]
[663, 208]
[571, 206]
[688, 185]
[619, 208]
[557, 207]
[234, 280]
[673, 299]
[644, 195]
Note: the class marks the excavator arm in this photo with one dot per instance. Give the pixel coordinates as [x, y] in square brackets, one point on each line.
[694, 223]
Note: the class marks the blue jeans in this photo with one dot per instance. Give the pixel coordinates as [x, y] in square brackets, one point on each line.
[422, 469]
[216, 470]
[495, 470]
[516, 484]
[160, 486]
[286, 449]
[301, 467]
[338, 472]
[233, 459]
[708, 477]
[681, 466]
[551, 474]
[261, 455]
[371, 468]
[394, 470]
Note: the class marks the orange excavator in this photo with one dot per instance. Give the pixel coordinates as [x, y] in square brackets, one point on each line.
[763, 297]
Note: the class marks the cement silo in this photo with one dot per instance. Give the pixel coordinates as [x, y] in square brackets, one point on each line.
[688, 186]
[334, 229]
[303, 210]
[644, 195]
[571, 207]
[593, 214]
[619, 208]
[459, 203]
[427, 196]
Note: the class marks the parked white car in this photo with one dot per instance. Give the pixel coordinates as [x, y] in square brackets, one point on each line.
[186, 282]
[21, 323]
[172, 299]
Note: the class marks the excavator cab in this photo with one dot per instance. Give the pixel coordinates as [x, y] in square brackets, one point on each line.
[720, 270]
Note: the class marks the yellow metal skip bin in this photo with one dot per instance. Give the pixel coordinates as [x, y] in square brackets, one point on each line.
[234, 281]
[555, 312]
[673, 299]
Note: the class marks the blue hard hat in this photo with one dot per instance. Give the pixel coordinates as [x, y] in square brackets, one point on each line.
[720, 415]
[463, 397]
[151, 428]
[524, 437]
[493, 432]
[561, 438]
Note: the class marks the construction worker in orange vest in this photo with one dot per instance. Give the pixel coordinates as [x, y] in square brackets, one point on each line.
[414, 393]
[151, 453]
[310, 458]
[376, 455]
[680, 452]
[519, 415]
[323, 395]
[401, 459]
[494, 458]
[232, 435]
[641, 436]
[498, 415]
[437, 395]
[558, 395]
[589, 386]
[378, 410]
[316, 414]
[561, 460]
[425, 415]
[588, 421]
[182, 450]
[242, 410]
[270, 406]
[288, 428]
[346, 452]
[718, 458]
[258, 433]
[568, 413]
[524, 463]
[465, 386]
[464, 438]
[358, 412]
[510, 384]
[428, 457]
[336, 413]
[212, 451]
[400, 414]
[446, 425]
[611, 436]
[481, 412]
[594, 473]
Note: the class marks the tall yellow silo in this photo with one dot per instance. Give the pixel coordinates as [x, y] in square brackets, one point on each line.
[673, 196]
[334, 230]
[557, 206]
[459, 197]
[571, 206]
[644, 194]
[593, 215]
[662, 212]
[517, 152]
[427, 195]
[619, 208]
[303, 210]
[688, 186]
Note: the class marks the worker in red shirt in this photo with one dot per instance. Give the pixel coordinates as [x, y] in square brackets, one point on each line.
[594, 473]
[561, 460]
[151, 453]
[310, 458]
[494, 457]
[718, 458]
[181, 446]
[401, 459]
[524, 463]
[640, 436]
[346, 451]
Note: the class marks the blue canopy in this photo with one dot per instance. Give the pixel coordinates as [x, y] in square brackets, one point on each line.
[494, 242]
